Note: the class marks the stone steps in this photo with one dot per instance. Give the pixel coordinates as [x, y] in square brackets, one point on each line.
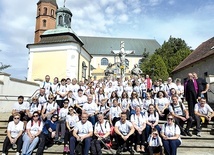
[190, 145]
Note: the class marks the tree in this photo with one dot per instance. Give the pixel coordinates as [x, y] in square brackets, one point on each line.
[155, 67]
[173, 52]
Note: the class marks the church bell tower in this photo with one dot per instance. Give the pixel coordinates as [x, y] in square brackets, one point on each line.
[46, 17]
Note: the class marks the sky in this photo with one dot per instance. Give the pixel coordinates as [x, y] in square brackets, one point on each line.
[190, 20]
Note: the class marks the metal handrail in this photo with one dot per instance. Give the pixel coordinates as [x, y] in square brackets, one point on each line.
[7, 96]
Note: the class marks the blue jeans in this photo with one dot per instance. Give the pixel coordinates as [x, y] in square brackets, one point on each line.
[28, 146]
[86, 145]
[170, 146]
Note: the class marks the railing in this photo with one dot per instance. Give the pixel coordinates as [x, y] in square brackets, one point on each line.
[14, 97]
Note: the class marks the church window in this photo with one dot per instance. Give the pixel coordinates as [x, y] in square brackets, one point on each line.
[52, 12]
[45, 11]
[39, 11]
[44, 23]
[60, 21]
[104, 61]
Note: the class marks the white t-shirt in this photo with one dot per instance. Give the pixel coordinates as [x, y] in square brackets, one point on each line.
[135, 102]
[129, 90]
[47, 86]
[35, 127]
[147, 102]
[103, 108]
[83, 129]
[90, 108]
[203, 110]
[170, 130]
[152, 117]
[15, 128]
[34, 107]
[42, 99]
[161, 102]
[63, 90]
[50, 106]
[21, 107]
[124, 128]
[155, 141]
[105, 127]
[81, 100]
[124, 102]
[138, 120]
[115, 112]
[63, 112]
[72, 120]
[177, 109]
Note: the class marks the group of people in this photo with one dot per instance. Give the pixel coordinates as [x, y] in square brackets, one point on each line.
[91, 114]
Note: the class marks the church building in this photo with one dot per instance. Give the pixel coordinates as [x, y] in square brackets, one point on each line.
[59, 52]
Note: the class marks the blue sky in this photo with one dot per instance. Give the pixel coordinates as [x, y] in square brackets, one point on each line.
[190, 20]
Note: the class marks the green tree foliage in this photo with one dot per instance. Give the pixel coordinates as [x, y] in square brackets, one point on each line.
[155, 67]
[173, 52]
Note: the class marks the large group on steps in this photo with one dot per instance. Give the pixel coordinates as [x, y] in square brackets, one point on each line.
[88, 115]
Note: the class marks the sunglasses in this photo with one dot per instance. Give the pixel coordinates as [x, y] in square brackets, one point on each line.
[50, 98]
[71, 109]
[170, 118]
[16, 118]
[35, 115]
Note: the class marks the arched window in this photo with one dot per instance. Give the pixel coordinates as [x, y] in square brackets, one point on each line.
[44, 23]
[39, 11]
[60, 21]
[104, 61]
[84, 68]
[45, 11]
[52, 12]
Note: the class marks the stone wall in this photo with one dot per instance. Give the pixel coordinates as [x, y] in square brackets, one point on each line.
[11, 88]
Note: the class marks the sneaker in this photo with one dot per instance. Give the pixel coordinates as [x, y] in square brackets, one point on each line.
[55, 139]
[61, 140]
[183, 133]
[188, 133]
[17, 153]
[119, 150]
[66, 149]
[131, 151]
[198, 134]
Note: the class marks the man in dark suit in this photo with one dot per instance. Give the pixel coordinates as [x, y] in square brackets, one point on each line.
[192, 92]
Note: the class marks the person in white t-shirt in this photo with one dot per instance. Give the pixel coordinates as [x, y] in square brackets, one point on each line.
[50, 108]
[33, 107]
[15, 129]
[139, 123]
[20, 107]
[33, 130]
[115, 112]
[60, 126]
[90, 108]
[81, 99]
[162, 105]
[155, 143]
[203, 113]
[71, 120]
[125, 103]
[152, 119]
[61, 92]
[47, 85]
[82, 133]
[103, 108]
[124, 134]
[170, 133]
[102, 133]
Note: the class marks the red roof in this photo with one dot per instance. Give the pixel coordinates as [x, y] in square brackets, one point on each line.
[203, 51]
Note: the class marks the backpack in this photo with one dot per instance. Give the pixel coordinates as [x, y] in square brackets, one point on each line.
[180, 106]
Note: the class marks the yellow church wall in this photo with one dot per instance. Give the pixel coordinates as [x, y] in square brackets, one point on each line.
[51, 63]
[80, 67]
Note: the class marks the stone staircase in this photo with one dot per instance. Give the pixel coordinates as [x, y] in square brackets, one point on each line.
[203, 145]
